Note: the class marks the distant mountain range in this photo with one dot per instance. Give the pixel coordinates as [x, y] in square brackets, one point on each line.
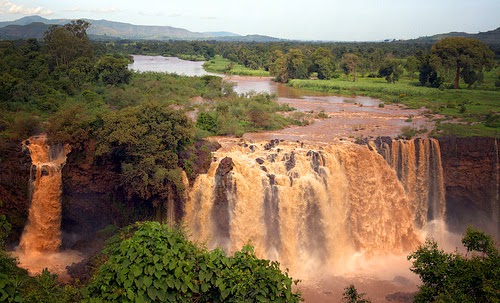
[489, 37]
[35, 26]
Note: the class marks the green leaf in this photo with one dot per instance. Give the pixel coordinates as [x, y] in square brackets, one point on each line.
[152, 293]
[204, 287]
[148, 281]
[178, 272]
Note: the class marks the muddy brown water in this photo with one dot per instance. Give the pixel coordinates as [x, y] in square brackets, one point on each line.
[349, 118]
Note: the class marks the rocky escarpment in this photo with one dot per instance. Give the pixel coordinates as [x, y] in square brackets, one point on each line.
[14, 186]
[471, 176]
[93, 197]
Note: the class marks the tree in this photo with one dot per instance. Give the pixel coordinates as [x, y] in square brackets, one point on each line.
[288, 66]
[351, 295]
[113, 70]
[296, 64]
[458, 54]
[146, 140]
[350, 64]
[322, 60]
[278, 66]
[427, 73]
[150, 262]
[411, 65]
[453, 277]
[391, 70]
[67, 43]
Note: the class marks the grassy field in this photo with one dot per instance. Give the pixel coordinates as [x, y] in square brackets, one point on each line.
[467, 112]
[221, 65]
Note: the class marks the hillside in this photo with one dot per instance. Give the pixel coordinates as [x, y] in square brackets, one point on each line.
[489, 37]
[33, 27]
[32, 30]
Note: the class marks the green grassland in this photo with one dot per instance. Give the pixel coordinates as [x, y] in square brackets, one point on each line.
[225, 66]
[473, 112]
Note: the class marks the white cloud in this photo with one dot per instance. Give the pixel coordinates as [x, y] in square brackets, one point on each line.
[106, 10]
[7, 7]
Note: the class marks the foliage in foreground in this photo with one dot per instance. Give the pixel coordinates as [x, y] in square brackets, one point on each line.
[351, 295]
[150, 262]
[454, 277]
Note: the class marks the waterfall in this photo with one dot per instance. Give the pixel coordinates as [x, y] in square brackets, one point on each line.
[418, 166]
[305, 206]
[43, 231]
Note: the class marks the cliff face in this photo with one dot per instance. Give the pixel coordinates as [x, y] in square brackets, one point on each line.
[90, 195]
[93, 197]
[471, 177]
[14, 185]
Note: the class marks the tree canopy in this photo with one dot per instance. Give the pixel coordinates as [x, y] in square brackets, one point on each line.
[67, 43]
[147, 140]
[453, 277]
[461, 55]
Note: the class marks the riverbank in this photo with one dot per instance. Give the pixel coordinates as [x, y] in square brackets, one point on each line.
[228, 67]
[463, 112]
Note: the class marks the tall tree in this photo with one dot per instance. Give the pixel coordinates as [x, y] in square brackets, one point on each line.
[322, 60]
[147, 140]
[459, 54]
[391, 70]
[67, 43]
[350, 63]
[296, 64]
[411, 65]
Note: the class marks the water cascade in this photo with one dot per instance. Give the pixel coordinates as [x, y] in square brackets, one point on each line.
[43, 231]
[308, 207]
[418, 166]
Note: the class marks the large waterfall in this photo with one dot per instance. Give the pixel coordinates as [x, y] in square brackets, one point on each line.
[309, 205]
[43, 231]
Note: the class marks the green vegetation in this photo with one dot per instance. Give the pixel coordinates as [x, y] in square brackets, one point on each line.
[464, 57]
[351, 295]
[226, 66]
[238, 115]
[149, 262]
[470, 111]
[147, 140]
[454, 277]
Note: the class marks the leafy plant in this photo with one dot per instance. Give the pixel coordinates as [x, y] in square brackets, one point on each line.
[454, 277]
[151, 262]
[351, 295]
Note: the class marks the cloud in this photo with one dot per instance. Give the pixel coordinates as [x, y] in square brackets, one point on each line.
[105, 10]
[156, 14]
[7, 7]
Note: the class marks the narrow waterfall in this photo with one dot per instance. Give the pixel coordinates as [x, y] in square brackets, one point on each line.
[418, 166]
[305, 206]
[43, 231]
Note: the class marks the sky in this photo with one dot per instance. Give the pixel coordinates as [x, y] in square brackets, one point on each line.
[328, 20]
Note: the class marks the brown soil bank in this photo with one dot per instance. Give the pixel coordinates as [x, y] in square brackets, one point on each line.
[471, 177]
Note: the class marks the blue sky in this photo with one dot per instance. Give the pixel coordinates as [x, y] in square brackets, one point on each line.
[354, 20]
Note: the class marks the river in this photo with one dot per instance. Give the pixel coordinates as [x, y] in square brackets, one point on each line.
[350, 117]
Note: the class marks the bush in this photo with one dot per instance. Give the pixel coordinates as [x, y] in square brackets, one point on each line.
[453, 277]
[151, 262]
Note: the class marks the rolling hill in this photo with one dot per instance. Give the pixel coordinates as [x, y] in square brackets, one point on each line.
[34, 26]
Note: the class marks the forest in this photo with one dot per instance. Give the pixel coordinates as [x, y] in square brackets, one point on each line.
[151, 124]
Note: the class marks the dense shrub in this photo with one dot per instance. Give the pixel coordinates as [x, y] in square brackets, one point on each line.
[150, 262]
